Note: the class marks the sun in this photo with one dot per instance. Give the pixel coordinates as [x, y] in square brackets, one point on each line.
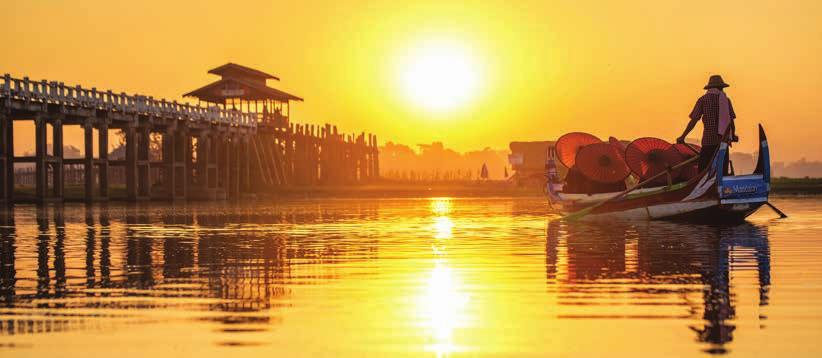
[439, 76]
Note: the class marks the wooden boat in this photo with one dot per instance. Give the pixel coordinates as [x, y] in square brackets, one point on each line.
[711, 196]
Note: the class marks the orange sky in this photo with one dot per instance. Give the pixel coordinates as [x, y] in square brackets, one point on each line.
[628, 68]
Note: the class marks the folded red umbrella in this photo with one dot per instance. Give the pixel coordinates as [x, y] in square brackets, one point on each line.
[602, 162]
[650, 156]
[618, 146]
[569, 144]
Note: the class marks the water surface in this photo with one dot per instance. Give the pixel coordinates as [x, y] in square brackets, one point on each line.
[404, 277]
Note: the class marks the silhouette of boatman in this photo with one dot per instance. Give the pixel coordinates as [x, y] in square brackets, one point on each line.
[715, 110]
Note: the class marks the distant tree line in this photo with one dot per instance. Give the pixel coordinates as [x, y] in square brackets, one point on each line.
[435, 162]
[431, 176]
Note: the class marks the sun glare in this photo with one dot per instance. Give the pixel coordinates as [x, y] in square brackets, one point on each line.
[439, 76]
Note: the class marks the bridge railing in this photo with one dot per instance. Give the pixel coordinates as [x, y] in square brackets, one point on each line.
[59, 93]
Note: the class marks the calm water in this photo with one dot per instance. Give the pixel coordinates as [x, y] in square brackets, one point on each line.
[406, 277]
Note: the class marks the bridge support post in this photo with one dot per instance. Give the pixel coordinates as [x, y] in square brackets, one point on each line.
[288, 154]
[169, 163]
[328, 156]
[182, 156]
[244, 168]
[144, 164]
[201, 166]
[102, 166]
[234, 171]
[6, 157]
[375, 160]
[131, 162]
[212, 163]
[88, 162]
[365, 163]
[58, 178]
[298, 157]
[40, 152]
[224, 165]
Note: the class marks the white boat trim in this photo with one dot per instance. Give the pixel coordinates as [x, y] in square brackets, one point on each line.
[653, 212]
[742, 177]
[584, 198]
[677, 208]
[760, 199]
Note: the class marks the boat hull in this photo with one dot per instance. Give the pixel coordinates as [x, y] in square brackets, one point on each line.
[693, 212]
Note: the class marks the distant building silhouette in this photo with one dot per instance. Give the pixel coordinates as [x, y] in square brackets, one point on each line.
[528, 161]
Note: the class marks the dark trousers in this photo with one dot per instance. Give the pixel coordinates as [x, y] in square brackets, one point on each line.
[707, 154]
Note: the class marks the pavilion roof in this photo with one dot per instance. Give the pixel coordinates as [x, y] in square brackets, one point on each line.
[230, 69]
[218, 91]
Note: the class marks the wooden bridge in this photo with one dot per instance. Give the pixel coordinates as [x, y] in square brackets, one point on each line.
[174, 150]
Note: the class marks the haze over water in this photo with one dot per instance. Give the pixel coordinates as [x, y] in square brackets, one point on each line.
[403, 277]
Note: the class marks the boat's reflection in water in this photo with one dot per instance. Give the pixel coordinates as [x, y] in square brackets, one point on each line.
[652, 261]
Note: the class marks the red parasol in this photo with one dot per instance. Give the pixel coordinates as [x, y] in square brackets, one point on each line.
[650, 156]
[618, 146]
[691, 170]
[569, 144]
[602, 162]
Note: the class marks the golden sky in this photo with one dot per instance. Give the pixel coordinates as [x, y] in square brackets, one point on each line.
[538, 68]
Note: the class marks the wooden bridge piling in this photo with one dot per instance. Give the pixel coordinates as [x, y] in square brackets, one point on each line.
[88, 160]
[179, 180]
[7, 157]
[131, 162]
[102, 163]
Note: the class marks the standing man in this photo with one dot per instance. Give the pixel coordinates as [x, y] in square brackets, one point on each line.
[717, 114]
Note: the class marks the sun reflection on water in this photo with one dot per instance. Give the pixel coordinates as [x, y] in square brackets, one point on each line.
[440, 206]
[442, 304]
[443, 227]
[443, 308]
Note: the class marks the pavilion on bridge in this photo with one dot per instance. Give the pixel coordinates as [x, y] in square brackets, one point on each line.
[245, 89]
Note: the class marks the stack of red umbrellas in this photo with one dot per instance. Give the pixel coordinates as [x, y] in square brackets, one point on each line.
[609, 162]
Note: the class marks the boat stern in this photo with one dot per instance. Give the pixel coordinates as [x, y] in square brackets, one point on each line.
[746, 193]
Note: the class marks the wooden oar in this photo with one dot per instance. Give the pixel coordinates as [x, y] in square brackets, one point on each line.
[586, 211]
[781, 214]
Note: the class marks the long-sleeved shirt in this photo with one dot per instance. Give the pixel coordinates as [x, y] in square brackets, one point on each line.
[707, 108]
